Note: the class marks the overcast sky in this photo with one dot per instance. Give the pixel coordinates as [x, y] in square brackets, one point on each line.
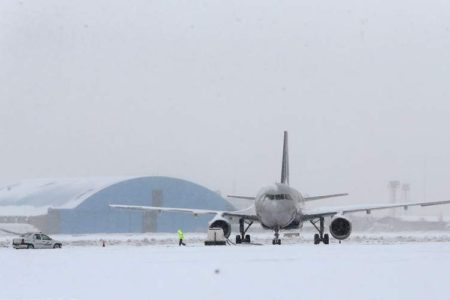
[202, 90]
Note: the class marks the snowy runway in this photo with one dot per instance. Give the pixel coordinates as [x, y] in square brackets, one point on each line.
[297, 271]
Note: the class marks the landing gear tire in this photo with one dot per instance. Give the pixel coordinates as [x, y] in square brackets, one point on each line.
[326, 239]
[247, 238]
[316, 239]
[238, 239]
[320, 237]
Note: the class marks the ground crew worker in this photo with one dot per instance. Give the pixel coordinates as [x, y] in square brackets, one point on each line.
[181, 237]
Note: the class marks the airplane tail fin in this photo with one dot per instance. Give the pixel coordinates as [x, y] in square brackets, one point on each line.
[285, 163]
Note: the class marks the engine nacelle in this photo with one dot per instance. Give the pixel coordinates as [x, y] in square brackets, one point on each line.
[224, 224]
[340, 227]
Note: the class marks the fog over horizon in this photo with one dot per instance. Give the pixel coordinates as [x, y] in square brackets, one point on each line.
[204, 90]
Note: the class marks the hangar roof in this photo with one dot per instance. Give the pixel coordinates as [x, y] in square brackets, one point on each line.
[36, 196]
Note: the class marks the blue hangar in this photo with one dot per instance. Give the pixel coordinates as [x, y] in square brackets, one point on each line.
[81, 205]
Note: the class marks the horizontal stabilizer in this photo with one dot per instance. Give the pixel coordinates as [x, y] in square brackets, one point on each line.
[323, 197]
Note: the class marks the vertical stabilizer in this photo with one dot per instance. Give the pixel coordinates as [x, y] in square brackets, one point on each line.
[285, 163]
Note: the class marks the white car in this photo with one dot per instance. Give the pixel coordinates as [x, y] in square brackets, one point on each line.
[35, 241]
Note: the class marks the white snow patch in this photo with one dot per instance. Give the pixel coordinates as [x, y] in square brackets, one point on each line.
[296, 271]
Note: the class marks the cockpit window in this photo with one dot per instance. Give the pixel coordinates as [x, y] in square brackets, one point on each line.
[279, 197]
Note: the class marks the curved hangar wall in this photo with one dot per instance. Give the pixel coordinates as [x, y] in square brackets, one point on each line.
[94, 215]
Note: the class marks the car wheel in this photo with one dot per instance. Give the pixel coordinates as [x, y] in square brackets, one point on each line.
[56, 246]
[30, 246]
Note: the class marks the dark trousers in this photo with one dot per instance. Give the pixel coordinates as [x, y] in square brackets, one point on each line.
[181, 243]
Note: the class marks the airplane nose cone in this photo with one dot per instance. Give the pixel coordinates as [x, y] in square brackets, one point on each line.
[276, 213]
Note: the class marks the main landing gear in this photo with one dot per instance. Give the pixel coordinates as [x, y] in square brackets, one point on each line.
[320, 237]
[243, 237]
[276, 240]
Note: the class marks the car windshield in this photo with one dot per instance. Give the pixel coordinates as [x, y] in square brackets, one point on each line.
[44, 237]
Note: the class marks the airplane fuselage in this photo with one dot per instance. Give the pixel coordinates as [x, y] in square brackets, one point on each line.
[279, 207]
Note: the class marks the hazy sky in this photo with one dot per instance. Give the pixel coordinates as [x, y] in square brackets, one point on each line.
[202, 90]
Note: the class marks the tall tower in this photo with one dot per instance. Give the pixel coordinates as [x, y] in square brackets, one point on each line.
[393, 186]
[405, 189]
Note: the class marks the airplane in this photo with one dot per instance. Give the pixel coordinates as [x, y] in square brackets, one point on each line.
[281, 207]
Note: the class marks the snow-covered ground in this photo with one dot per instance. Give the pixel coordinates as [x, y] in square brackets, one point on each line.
[197, 239]
[414, 268]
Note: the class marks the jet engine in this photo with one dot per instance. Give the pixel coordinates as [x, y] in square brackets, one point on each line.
[340, 227]
[224, 224]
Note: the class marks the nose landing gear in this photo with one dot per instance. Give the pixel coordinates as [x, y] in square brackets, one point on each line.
[276, 240]
[320, 237]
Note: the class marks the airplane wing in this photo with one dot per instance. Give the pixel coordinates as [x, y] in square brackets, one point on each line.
[323, 197]
[10, 232]
[247, 213]
[325, 212]
[241, 197]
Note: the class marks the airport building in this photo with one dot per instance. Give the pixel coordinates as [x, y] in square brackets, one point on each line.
[75, 206]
